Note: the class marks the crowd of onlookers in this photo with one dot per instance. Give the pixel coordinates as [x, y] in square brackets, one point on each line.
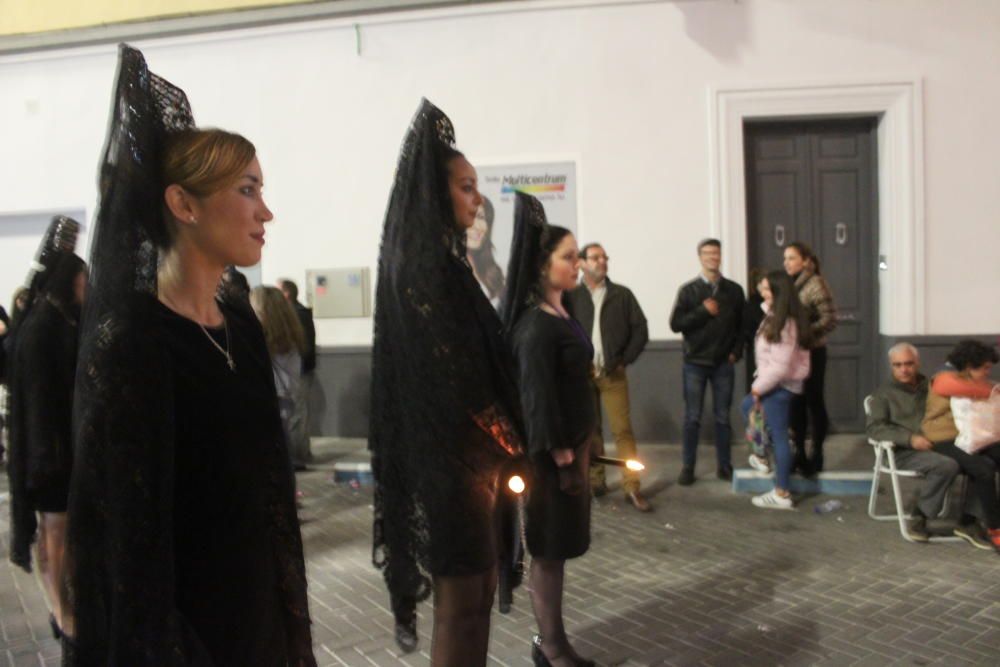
[782, 330]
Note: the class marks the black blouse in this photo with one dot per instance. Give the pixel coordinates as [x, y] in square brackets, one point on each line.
[227, 576]
[553, 357]
[184, 544]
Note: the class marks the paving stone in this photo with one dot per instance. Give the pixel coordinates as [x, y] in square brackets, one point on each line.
[705, 579]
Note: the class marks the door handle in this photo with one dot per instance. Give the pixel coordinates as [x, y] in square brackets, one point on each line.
[847, 317]
[779, 236]
[840, 233]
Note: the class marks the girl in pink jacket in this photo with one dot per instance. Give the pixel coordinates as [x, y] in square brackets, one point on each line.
[782, 351]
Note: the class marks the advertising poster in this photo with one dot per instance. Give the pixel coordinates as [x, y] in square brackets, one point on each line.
[552, 183]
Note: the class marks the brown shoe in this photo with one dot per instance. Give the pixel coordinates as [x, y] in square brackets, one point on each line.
[635, 499]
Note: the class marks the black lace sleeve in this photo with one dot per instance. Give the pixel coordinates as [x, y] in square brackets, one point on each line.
[120, 531]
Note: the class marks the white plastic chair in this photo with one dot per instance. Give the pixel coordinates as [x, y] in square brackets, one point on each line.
[885, 464]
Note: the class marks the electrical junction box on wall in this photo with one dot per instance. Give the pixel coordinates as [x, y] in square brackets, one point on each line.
[339, 292]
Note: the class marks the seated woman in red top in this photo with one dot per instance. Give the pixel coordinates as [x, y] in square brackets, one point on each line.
[967, 375]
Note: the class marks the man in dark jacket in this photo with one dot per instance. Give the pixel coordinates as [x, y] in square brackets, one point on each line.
[894, 415]
[619, 333]
[305, 315]
[708, 312]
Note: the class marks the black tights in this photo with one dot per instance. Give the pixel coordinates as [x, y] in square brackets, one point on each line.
[810, 408]
[462, 607]
[546, 600]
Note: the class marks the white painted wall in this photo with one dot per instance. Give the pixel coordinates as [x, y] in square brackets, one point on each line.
[623, 87]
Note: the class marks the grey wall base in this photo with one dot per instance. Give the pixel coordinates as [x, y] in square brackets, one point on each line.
[339, 404]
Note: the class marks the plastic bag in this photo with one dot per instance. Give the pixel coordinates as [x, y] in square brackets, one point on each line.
[757, 434]
[977, 420]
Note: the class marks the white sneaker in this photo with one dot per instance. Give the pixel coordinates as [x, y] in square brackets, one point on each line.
[759, 464]
[772, 501]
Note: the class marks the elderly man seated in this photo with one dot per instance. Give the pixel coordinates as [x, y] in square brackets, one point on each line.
[897, 408]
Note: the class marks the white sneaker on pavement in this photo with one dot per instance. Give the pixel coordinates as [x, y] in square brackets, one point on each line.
[759, 464]
[772, 501]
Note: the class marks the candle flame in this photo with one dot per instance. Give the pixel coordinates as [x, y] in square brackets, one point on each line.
[632, 464]
[516, 484]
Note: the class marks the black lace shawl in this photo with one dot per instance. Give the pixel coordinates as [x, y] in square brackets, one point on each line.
[120, 549]
[440, 369]
[524, 265]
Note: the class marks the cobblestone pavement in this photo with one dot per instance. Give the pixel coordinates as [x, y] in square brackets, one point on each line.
[706, 579]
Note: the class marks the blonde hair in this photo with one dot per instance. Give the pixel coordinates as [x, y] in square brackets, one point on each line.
[282, 329]
[203, 162]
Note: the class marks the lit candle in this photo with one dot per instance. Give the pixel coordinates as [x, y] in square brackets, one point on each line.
[516, 484]
[631, 464]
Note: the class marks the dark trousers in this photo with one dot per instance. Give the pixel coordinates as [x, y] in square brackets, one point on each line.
[981, 468]
[810, 409]
[695, 378]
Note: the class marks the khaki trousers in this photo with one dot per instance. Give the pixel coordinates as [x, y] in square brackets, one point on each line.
[611, 390]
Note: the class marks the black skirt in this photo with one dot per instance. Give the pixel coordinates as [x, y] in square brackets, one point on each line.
[553, 358]
[558, 521]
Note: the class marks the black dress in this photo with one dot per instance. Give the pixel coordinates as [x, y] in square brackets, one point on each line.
[444, 406]
[207, 565]
[553, 356]
[41, 393]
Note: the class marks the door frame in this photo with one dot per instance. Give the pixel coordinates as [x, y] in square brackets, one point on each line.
[897, 104]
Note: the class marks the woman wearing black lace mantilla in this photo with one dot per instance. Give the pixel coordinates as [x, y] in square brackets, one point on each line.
[184, 544]
[553, 357]
[42, 372]
[443, 403]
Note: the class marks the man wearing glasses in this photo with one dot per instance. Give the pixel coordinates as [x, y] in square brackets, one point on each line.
[618, 331]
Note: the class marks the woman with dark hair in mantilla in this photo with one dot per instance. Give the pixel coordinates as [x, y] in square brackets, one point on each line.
[553, 357]
[443, 403]
[43, 369]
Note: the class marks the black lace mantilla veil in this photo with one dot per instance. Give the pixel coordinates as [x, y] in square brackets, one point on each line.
[523, 267]
[120, 539]
[59, 241]
[439, 365]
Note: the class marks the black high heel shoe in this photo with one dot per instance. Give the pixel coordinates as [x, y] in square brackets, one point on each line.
[406, 636]
[539, 659]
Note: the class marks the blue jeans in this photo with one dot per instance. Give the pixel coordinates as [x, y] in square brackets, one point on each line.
[695, 379]
[777, 408]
